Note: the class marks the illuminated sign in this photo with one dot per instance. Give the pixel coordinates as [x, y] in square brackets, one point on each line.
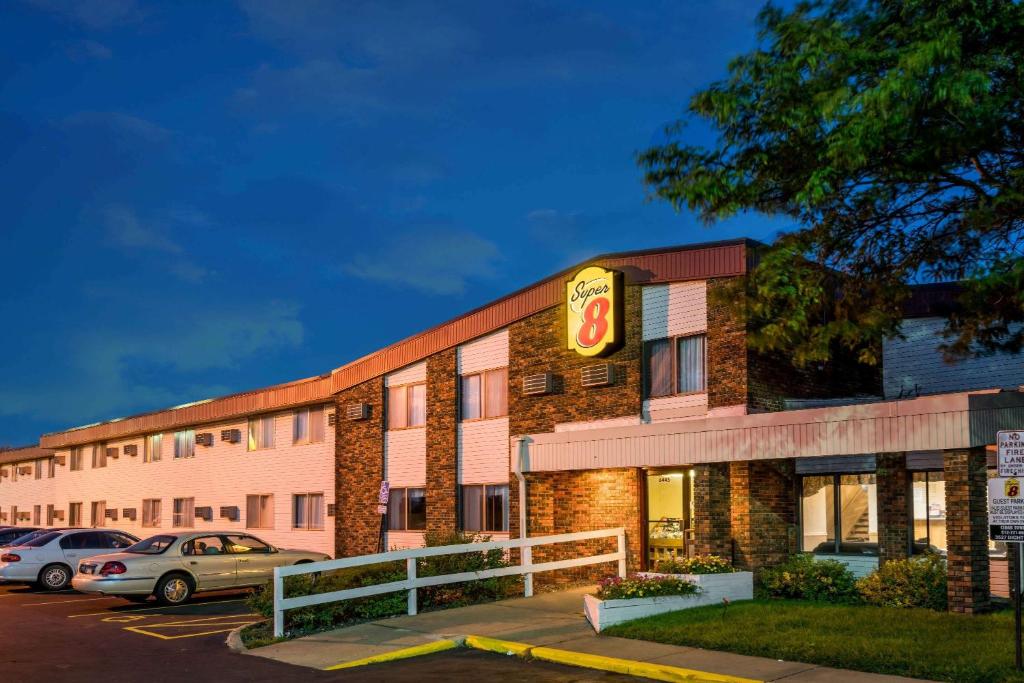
[594, 311]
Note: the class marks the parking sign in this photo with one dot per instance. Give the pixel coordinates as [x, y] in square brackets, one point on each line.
[1010, 453]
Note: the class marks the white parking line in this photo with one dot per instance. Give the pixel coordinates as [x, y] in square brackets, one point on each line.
[150, 609]
[68, 602]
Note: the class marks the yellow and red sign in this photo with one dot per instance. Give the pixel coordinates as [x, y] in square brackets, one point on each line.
[594, 311]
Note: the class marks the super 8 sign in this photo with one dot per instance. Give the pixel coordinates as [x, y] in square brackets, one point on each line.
[594, 311]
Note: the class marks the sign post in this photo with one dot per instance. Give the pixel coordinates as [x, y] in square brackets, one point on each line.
[382, 509]
[1006, 515]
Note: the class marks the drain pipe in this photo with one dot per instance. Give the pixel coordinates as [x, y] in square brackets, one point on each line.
[525, 554]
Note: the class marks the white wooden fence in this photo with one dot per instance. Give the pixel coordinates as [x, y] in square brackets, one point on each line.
[526, 568]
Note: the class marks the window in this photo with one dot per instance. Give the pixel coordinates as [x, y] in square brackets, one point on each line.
[485, 394]
[185, 444]
[37, 514]
[49, 514]
[485, 507]
[259, 512]
[839, 514]
[76, 458]
[151, 448]
[246, 544]
[98, 513]
[151, 512]
[99, 455]
[928, 512]
[14, 478]
[51, 468]
[308, 425]
[407, 406]
[117, 540]
[261, 432]
[407, 509]
[74, 514]
[184, 514]
[39, 469]
[308, 511]
[204, 545]
[676, 366]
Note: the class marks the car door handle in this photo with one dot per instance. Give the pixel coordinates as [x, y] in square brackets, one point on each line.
[193, 562]
[242, 560]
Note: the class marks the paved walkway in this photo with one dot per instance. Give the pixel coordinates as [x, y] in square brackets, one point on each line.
[552, 620]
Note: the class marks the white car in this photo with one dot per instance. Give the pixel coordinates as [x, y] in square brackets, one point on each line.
[48, 559]
[175, 565]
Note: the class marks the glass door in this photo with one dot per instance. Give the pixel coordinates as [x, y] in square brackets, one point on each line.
[669, 515]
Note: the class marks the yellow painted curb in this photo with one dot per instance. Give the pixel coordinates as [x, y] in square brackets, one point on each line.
[502, 647]
[415, 651]
[657, 672]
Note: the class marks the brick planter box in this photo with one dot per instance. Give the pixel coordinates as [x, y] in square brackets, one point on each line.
[714, 587]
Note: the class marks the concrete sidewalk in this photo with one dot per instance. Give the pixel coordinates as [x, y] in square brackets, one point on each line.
[548, 620]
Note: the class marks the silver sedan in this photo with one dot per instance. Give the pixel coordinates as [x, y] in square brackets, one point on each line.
[174, 566]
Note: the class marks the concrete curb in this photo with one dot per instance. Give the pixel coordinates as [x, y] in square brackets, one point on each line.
[415, 651]
[657, 672]
[234, 640]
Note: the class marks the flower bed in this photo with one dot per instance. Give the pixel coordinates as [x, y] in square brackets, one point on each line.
[715, 576]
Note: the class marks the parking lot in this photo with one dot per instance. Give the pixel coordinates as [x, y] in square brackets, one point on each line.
[68, 636]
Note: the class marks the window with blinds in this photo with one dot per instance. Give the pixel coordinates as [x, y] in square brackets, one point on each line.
[484, 395]
[308, 425]
[184, 513]
[676, 366]
[261, 432]
[308, 511]
[151, 512]
[185, 444]
[151, 448]
[259, 511]
[407, 406]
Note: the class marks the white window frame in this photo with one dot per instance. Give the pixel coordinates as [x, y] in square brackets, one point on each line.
[406, 422]
[152, 445]
[309, 497]
[483, 406]
[260, 522]
[151, 511]
[673, 343]
[186, 519]
[257, 432]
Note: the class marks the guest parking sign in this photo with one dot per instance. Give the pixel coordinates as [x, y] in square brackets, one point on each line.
[1005, 499]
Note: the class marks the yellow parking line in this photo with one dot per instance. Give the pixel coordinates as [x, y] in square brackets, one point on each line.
[150, 609]
[220, 626]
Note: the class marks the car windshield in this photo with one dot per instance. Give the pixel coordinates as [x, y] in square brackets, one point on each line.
[40, 540]
[27, 538]
[154, 545]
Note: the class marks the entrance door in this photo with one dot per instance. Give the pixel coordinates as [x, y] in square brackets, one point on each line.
[669, 515]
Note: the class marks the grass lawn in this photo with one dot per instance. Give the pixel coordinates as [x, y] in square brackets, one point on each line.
[907, 642]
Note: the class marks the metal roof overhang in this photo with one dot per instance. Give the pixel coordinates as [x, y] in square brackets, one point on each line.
[928, 423]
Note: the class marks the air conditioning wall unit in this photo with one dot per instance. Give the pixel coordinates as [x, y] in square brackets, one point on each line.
[231, 435]
[598, 375]
[111, 514]
[60, 459]
[332, 419]
[3, 473]
[128, 513]
[229, 512]
[24, 470]
[131, 450]
[357, 411]
[539, 384]
[330, 509]
[205, 439]
[113, 452]
[205, 513]
[58, 515]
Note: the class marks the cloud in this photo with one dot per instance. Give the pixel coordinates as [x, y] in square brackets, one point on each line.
[125, 230]
[436, 261]
[87, 50]
[131, 367]
[97, 14]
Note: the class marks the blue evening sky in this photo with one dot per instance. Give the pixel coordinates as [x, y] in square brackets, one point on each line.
[205, 197]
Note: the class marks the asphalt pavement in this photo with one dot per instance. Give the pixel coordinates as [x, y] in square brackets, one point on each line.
[67, 636]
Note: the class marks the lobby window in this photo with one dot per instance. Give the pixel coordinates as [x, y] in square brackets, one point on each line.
[308, 511]
[407, 509]
[151, 447]
[184, 513]
[485, 507]
[151, 512]
[76, 458]
[99, 455]
[484, 394]
[928, 512]
[261, 432]
[185, 444]
[259, 511]
[839, 514]
[676, 366]
[308, 425]
[74, 514]
[407, 406]
[99, 513]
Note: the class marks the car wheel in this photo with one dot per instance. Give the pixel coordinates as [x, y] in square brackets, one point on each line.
[174, 589]
[54, 577]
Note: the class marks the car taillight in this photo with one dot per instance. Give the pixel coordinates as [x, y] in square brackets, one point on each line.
[10, 557]
[112, 568]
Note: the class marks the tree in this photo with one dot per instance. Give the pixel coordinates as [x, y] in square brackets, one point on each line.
[892, 133]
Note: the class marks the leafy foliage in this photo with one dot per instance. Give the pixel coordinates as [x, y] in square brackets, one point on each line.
[893, 133]
[618, 588]
[698, 564]
[804, 578]
[916, 582]
[467, 592]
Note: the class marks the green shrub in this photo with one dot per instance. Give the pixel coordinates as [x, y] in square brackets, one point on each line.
[699, 564]
[804, 578]
[916, 582]
[466, 592]
[617, 588]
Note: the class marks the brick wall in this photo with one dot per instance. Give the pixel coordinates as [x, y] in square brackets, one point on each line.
[726, 347]
[893, 482]
[763, 517]
[359, 462]
[967, 529]
[442, 442]
[711, 502]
